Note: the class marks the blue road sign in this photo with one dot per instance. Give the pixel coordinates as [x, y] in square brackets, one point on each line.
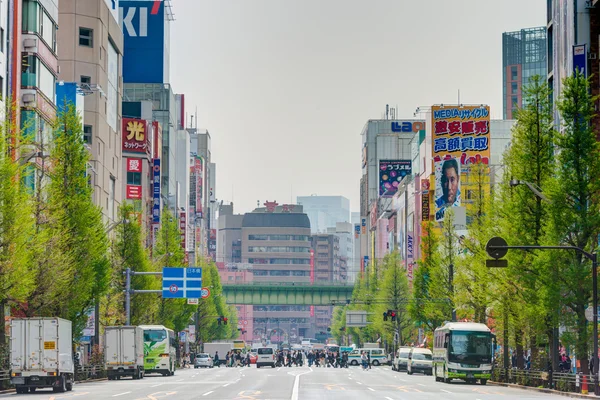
[182, 283]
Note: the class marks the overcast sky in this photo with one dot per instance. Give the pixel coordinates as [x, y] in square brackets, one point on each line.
[285, 86]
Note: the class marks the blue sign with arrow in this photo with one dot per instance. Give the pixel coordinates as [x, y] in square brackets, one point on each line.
[182, 283]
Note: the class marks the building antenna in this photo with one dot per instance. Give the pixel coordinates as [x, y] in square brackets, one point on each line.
[458, 96]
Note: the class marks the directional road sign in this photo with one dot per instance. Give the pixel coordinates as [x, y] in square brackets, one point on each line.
[182, 283]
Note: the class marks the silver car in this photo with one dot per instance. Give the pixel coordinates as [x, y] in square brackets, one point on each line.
[203, 360]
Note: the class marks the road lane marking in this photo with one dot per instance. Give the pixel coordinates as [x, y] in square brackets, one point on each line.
[179, 380]
[389, 398]
[278, 368]
[207, 393]
[296, 389]
[358, 382]
[120, 394]
[372, 390]
[156, 385]
[420, 384]
[446, 391]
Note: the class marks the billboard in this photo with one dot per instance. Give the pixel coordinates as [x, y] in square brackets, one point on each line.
[144, 29]
[135, 136]
[156, 191]
[134, 192]
[391, 173]
[461, 132]
[447, 186]
[134, 164]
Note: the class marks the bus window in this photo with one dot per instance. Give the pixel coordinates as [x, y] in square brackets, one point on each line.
[154, 335]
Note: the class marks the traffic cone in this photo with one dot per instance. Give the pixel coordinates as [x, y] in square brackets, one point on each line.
[584, 385]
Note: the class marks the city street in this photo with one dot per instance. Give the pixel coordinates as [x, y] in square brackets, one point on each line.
[284, 383]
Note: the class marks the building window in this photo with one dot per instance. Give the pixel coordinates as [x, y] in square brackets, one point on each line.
[514, 87]
[35, 74]
[87, 134]
[2, 40]
[86, 37]
[515, 101]
[111, 198]
[85, 80]
[134, 178]
[36, 20]
[513, 73]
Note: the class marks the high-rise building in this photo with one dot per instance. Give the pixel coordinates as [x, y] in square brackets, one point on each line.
[325, 211]
[523, 56]
[90, 53]
[32, 66]
[276, 242]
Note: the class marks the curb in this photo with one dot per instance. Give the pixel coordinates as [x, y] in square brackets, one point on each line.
[544, 390]
[8, 391]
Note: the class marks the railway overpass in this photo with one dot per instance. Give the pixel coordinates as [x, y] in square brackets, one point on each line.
[261, 293]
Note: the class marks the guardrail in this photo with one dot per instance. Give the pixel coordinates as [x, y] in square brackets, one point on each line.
[4, 375]
[564, 382]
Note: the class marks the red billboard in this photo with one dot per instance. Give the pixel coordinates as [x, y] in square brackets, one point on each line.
[134, 192]
[135, 135]
[134, 165]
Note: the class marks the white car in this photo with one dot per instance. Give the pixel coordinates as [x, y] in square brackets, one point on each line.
[266, 357]
[420, 360]
[400, 362]
[203, 360]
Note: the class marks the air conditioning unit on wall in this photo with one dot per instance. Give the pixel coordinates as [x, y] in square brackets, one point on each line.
[28, 98]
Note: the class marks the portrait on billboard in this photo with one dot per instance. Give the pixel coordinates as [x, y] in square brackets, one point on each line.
[447, 186]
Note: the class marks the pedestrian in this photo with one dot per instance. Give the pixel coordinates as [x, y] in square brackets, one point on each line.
[248, 359]
[289, 359]
[227, 360]
[369, 358]
[216, 359]
[364, 360]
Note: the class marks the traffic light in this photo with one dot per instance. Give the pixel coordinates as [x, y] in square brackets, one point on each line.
[328, 329]
[219, 321]
[224, 320]
[393, 315]
[385, 316]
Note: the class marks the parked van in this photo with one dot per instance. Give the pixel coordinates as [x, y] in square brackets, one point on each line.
[378, 356]
[400, 362]
[420, 360]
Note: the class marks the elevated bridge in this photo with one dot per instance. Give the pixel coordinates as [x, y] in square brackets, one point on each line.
[264, 293]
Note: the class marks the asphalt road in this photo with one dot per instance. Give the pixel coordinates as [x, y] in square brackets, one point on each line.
[284, 383]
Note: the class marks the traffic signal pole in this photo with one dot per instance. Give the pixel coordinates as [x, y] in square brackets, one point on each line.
[128, 291]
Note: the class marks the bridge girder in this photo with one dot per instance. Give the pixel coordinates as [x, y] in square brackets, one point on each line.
[286, 295]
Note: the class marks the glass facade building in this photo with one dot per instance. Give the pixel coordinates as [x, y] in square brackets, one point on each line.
[523, 56]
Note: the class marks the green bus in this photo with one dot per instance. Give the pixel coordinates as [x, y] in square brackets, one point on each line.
[463, 350]
[160, 350]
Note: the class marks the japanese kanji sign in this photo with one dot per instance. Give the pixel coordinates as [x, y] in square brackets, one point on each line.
[135, 135]
[156, 191]
[181, 283]
[134, 192]
[461, 132]
[134, 165]
[391, 172]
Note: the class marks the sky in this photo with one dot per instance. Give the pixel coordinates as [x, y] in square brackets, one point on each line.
[285, 87]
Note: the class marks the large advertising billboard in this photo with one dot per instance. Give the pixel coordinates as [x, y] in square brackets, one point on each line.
[447, 186]
[461, 132]
[135, 136]
[391, 173]
[143, 25]
[461, 136]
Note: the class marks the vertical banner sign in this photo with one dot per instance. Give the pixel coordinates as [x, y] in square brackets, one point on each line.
[182, 228]
[580, 59]
[156, 191]
[461, 136]
[312, 266]
[134, 165]
[356, 231]
[410, 247]
[391, 173]
[363, 225]
[135, 137]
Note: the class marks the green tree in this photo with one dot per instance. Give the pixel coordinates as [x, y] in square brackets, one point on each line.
[530, 279]
[575, 211]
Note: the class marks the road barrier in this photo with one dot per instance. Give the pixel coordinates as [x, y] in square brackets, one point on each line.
[563, 382]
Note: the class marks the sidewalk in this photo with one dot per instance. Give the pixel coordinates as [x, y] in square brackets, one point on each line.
[591, 395]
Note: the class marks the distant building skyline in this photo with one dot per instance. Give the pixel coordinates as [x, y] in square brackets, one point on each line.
[325, 211]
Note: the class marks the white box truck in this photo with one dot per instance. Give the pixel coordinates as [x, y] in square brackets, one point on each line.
[222, 348]
[41, 354]
[124, 352]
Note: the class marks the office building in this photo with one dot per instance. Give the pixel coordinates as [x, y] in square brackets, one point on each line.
[33, 67]
[276, 242]
[90, 52]
[325, 211]
[523, 56]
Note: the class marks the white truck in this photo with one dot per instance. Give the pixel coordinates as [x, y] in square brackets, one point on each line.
[124, 352]
[41, 354]
[223, 348]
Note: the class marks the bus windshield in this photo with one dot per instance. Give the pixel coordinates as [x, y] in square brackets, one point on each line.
[155, 335]
[470, 347]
